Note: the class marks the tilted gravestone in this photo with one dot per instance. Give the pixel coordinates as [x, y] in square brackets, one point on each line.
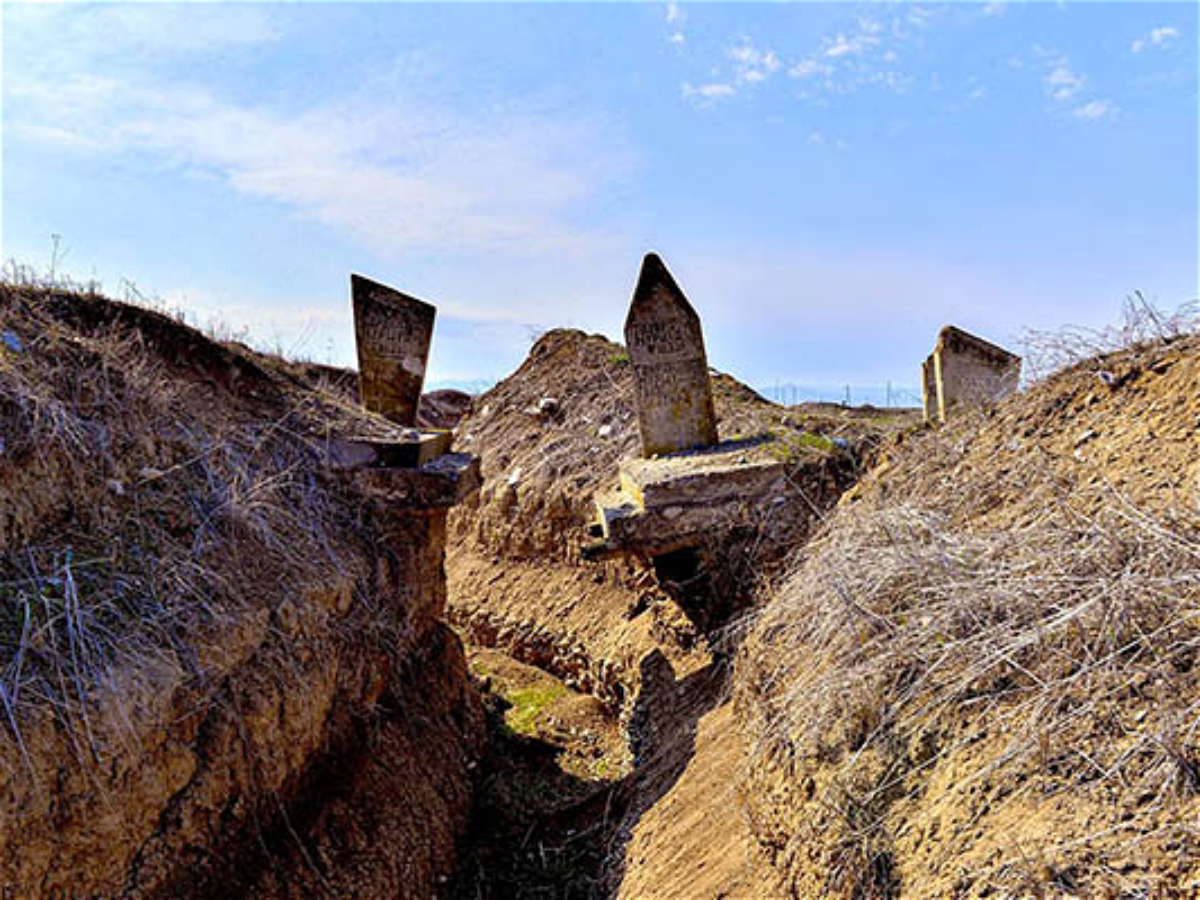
[966, 370]
[666, 348]
[393, 332]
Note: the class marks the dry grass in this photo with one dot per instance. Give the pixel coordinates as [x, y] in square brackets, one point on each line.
[1051, 652]
[898, 625]
[1142, 325]
[144, 514]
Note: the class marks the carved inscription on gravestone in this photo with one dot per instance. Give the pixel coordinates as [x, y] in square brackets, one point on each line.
[666, 348]
[393, 332]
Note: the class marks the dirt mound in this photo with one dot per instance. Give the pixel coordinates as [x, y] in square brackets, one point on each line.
[443, 409]
[213, 646]
[549, 436]
[980, 679]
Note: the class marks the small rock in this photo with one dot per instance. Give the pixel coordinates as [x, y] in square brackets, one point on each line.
[116, 487]
[1107, 377]
[548, 406]
[514, 477]
[604, 431]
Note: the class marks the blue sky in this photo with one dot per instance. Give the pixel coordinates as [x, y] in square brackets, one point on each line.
[829, 182]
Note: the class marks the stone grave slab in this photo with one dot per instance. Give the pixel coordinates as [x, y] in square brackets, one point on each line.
[678, 501]
[666, 347]
[443, 482]
[413, 451]
[965, 370]
[393, 332]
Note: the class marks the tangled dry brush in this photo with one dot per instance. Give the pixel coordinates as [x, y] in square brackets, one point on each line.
[1009, 623]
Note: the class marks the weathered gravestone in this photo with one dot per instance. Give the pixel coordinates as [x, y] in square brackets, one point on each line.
[393, 332]
[966, 370]
[666, 348]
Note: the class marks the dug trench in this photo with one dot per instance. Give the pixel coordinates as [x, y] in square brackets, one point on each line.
[226, 666]
[614, 755]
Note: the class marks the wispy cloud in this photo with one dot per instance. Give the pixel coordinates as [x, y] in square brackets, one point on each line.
[853, 45]
[752, 64]
[133, 34]
[707, 94]
[1158, 37]
[1062, 83]
[749, 64]
[864, 55]
[1095, 110]
[676, 17]
[392, 168]
[1069, 89]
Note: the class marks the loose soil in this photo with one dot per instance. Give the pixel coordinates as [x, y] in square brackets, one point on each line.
[665, 823]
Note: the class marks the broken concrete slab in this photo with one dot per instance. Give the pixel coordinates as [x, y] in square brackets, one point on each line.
[392, 332]
[666, 347]
[446, 481]
[680, 501]
[965, 370]
[414, 451]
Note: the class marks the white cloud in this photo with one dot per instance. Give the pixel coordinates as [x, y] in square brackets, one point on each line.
[864, 52]
[395, 171]
[707, 94]
[807, 68]
[676, 38]
[919, 16]
[138, 32]
[753, 65]
[995, 8]
[1095, 111]
[1062, 83]
[675, 14]
[855, 45]
[1158, 37]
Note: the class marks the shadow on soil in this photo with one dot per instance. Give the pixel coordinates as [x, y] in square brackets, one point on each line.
[540, 832]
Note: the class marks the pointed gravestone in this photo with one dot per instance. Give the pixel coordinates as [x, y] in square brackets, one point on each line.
[393, 332]
[666, 347]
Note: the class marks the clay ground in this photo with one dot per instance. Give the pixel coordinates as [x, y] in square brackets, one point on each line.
[563, 810]
[633, 797]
